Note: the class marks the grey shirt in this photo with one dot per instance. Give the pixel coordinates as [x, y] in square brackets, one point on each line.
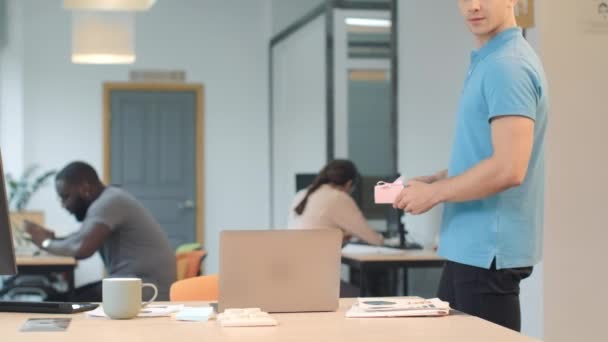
[137, 247]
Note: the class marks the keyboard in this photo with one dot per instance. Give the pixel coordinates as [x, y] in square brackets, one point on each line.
[392, 243]
[367, 249]
[395, 243]
[250, 317]
[46, 307]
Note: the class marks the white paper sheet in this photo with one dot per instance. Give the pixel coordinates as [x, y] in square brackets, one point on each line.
[148, 311]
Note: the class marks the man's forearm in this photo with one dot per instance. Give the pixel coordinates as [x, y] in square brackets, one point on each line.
[484, 179]
[67, 246]
[441, 175]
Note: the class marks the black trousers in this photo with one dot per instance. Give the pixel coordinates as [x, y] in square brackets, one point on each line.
[490, 294]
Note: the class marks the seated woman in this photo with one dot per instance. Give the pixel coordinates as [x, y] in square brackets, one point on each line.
[327, 203]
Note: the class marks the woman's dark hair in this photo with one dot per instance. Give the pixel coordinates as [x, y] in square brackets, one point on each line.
[336, 172]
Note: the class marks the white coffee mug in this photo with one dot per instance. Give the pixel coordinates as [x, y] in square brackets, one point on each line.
[121, 297]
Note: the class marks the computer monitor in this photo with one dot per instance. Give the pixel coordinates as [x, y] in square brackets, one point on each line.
[364, 196]
[8, 265]
[304, 180]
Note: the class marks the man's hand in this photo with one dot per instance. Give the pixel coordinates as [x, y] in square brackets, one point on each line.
[37, 232]
[417, 197]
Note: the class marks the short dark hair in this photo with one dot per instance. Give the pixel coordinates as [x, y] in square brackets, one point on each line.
[77, 173]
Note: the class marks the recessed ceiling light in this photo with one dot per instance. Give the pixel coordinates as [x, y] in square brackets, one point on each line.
[108, 5]
[368, 22]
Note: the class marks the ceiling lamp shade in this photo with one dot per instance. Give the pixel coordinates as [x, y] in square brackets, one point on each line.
[103, 37]
[108, 5]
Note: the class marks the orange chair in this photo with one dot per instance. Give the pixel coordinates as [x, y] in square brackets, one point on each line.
[189, 264]
[202, 288]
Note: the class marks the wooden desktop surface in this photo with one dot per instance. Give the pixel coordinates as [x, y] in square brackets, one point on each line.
[294, 327]
[405, 255]
[44, 260]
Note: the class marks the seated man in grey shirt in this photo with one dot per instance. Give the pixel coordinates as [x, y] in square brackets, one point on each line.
[130, 241]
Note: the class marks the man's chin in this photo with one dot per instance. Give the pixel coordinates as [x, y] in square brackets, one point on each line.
[478, 29]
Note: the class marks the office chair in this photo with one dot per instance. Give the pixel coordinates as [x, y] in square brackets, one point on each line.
[202, 288]
[189, 247]
[189, 264]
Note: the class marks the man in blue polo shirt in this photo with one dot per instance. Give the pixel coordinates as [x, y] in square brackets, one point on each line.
[493, 189]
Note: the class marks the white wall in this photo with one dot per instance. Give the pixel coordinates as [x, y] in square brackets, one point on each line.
[219, 43]
[285, 12]
[433, 59]
[575, 228]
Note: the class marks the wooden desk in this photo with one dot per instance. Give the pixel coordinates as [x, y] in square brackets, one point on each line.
[45, 264]
[294, 327]
[46, 260]
[365, 259]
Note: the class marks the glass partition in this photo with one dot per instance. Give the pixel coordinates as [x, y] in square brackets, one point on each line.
[298, 112]
[332, 96]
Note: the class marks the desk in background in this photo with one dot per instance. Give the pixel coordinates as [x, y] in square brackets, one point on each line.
[369, 258]
[294, 327]
[45, 264]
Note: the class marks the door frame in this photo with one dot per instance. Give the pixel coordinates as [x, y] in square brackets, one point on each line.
[199, 129]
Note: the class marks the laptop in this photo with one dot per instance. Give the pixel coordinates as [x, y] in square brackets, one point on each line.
[280, 270]
[46, 307]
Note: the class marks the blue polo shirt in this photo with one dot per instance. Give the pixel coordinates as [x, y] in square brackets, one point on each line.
[505, 78]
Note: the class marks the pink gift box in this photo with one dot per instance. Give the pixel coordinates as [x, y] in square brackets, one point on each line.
[385, 193]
